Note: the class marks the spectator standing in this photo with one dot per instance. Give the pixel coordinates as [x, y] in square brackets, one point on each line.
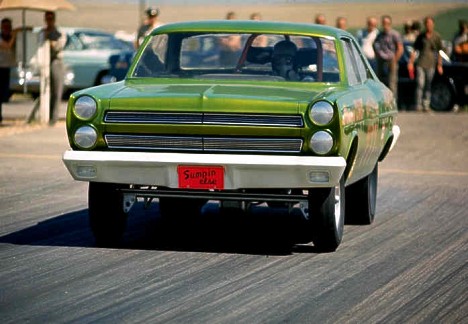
[260, 40]
[412, 30]
[460, 42]
[366, 38]
[151, 22]
[408, 35]
[231, 15]
[416, 28]
[7, 60]
[427, 44]
[256, 16]
[57, 42]
[320, 19]
[230, 46]
[341, 23]
[388, 49]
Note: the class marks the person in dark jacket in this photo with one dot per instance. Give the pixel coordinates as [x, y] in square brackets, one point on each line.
[427, 45]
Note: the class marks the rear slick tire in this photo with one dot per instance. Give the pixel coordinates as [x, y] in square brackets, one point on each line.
[361, 199]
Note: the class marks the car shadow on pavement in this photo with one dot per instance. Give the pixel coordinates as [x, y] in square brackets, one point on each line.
[65, 230]
[263, 231]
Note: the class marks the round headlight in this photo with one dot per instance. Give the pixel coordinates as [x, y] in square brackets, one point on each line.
[321, 113]
[85, 137]
[321, 142]
[85, 107]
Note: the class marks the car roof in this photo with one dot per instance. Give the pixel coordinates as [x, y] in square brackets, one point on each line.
[250, 26]
[71, 30]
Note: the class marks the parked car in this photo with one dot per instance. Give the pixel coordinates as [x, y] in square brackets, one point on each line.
[300, 122]
[86, 59]
[119, 65]
[448, 89]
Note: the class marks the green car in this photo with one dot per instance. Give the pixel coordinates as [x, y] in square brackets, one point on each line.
[240, 112]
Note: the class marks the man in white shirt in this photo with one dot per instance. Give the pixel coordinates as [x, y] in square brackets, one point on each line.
[366, 38]
[57, 43]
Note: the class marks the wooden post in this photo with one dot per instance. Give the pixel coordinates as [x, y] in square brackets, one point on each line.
[44, 95]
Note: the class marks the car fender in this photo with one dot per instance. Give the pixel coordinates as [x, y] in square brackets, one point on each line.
[390, 142]
[351, 155]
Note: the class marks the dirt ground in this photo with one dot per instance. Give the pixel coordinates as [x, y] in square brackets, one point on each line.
[126, 17]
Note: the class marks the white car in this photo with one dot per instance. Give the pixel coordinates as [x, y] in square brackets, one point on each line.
[86, 59]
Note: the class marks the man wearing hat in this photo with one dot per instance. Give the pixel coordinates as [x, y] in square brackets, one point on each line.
[151, 22]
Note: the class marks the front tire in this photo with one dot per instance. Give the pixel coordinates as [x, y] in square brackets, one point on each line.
[106, 216]
[326, 216]
[361, 198]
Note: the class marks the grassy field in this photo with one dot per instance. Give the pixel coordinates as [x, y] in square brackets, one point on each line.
[126, 17]
[447, 22]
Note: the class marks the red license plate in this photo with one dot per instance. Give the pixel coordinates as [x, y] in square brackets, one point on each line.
[201, 177]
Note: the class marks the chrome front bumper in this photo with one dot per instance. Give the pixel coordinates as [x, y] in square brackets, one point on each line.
[240, 171]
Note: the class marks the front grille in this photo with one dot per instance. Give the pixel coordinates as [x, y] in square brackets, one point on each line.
[126, 117]
[204, 144]
[160, 143]
[253, 120]
[220, 144]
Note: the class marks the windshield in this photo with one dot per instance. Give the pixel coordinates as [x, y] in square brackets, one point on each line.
[240, 56]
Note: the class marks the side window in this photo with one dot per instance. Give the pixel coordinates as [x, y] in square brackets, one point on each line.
[73, 43]
[152, 62]
[351, 67]
[362, 69]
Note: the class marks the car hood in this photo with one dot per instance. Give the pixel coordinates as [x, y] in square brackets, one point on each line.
[212, 98]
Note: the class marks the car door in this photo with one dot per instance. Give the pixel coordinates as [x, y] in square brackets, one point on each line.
[362, 103]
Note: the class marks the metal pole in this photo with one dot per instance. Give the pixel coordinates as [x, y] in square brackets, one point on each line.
[23, 61]
[44, 98]
[143, 6]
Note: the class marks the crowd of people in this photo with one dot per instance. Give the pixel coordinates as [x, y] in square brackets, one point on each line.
[382, 47]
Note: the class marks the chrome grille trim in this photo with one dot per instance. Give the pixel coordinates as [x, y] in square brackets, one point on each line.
[253, 120]
[139, 117]
[149, 142]
[266, 145]
[204, 144]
